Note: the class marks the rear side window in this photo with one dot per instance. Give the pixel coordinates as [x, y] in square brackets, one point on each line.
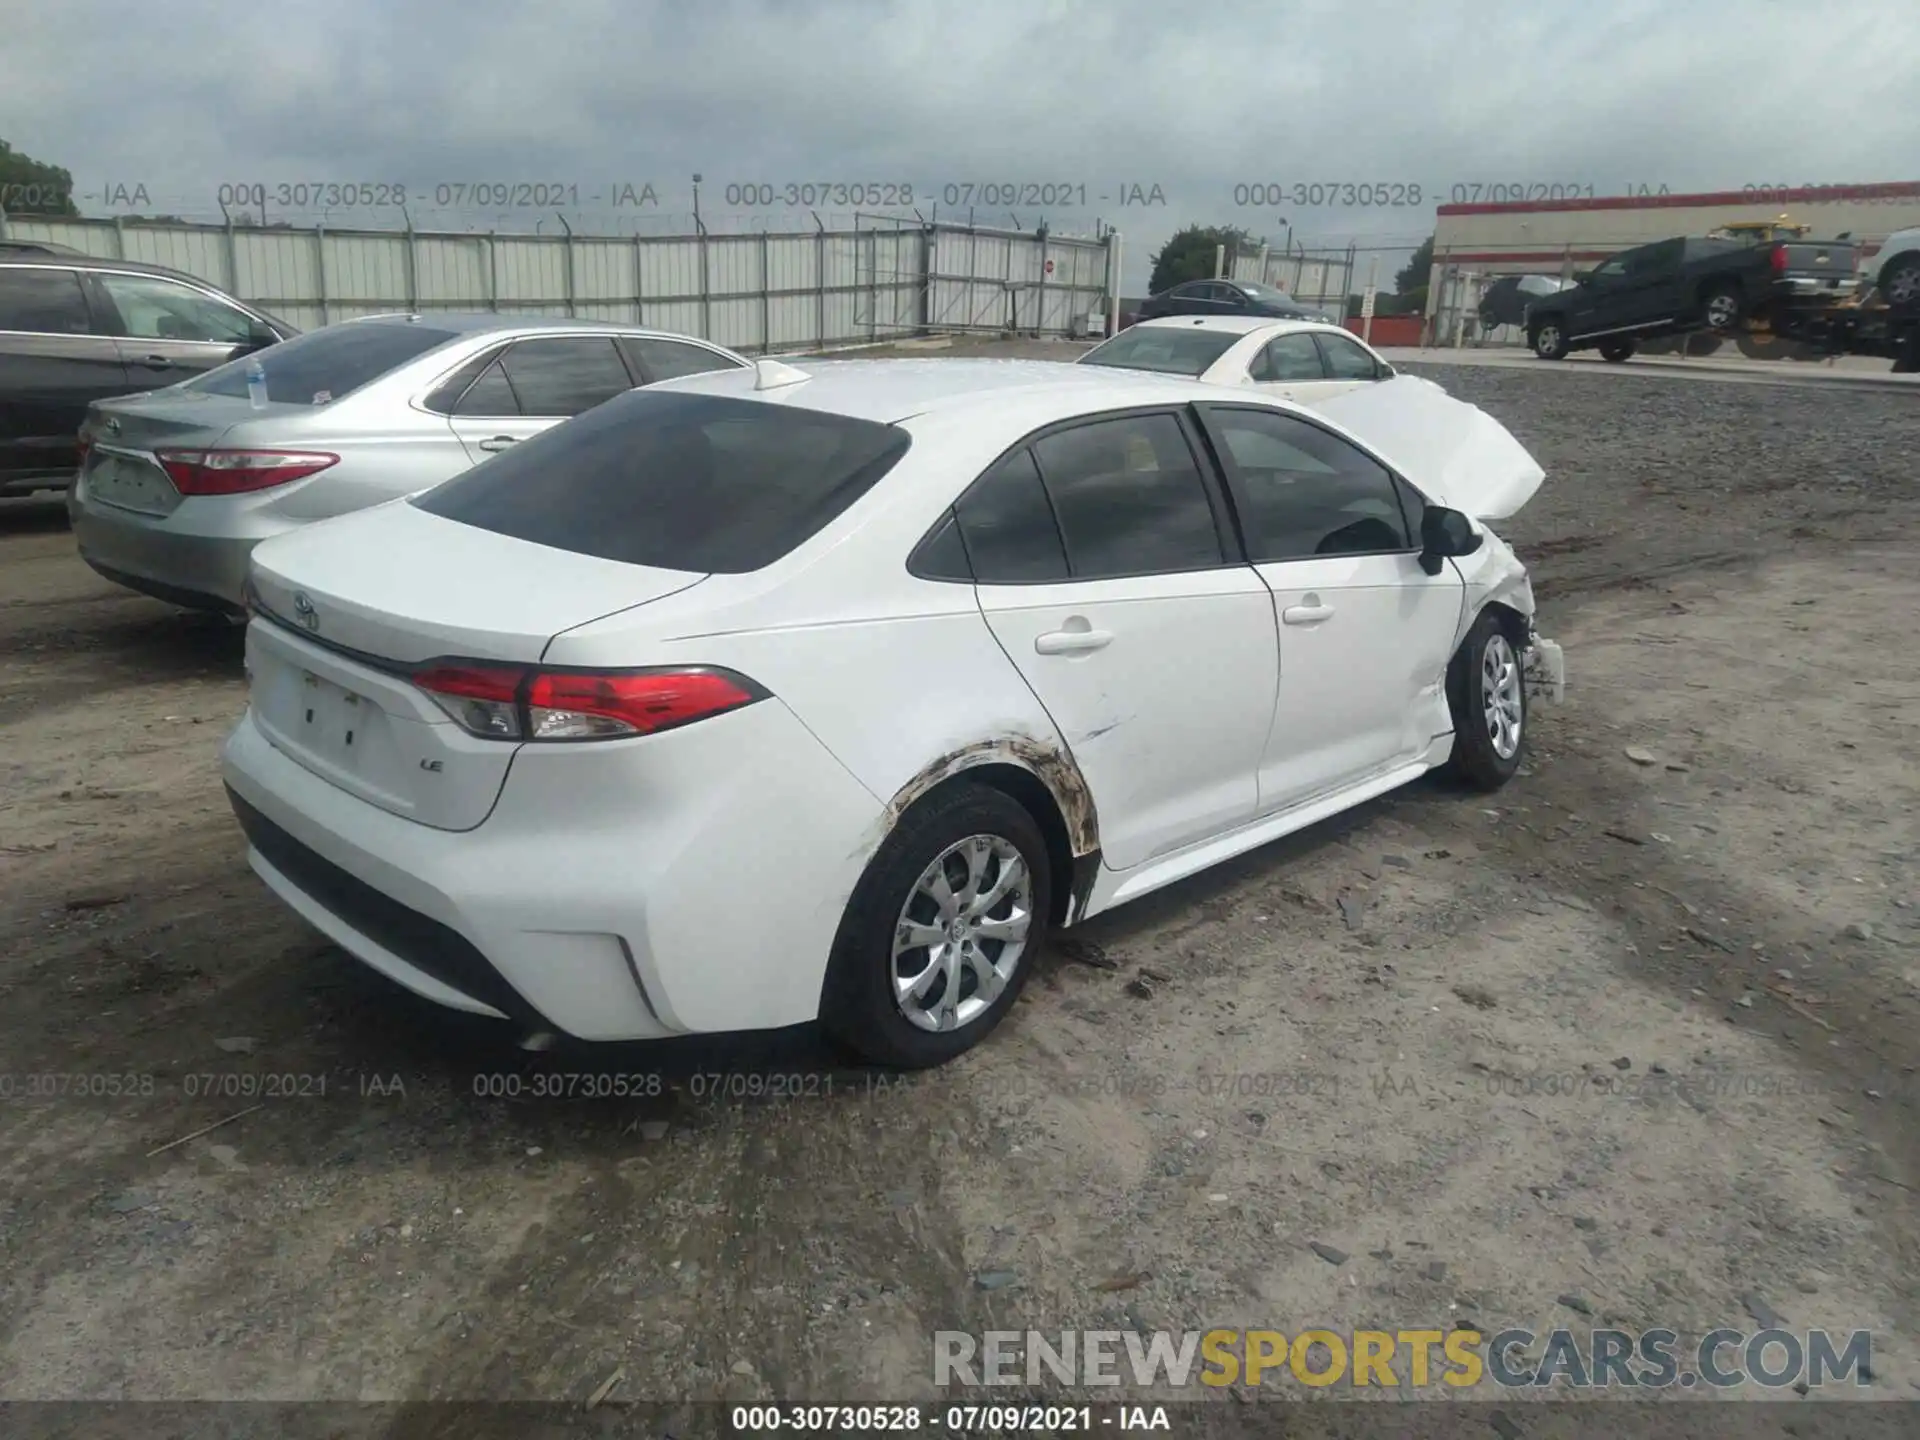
[561, 377]
[490, 394]
[1008, 526]
[699, 483]
[324, 365]
[1290, 357]
[1130, 498]
[43, 301]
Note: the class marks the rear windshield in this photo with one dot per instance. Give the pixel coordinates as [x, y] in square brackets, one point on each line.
[1168, 349]
[323, 365]
[676, 481]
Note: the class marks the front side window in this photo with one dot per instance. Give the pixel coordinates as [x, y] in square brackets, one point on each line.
[1346, 360]
[1129, 498]
[42, 301]
[1308, 493]
[155, 309]
[664, 359]
[1164, 349]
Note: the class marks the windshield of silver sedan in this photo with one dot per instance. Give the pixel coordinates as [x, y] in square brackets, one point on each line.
[1165, 349]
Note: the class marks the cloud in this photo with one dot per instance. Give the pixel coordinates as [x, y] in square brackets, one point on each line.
[1103, 95]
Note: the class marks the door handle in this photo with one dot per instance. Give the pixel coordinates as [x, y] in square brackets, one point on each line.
[497, 443]
[158, 362]
[1072, 642]
[1306, 614]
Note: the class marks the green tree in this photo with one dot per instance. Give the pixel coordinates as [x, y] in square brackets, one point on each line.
[29, 186]
[1419, 267]
[1189, 255]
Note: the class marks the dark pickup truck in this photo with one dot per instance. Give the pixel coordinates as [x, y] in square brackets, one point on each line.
[1673, 287]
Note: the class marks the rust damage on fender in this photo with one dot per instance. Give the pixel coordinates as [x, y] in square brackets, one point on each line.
[1053, 767]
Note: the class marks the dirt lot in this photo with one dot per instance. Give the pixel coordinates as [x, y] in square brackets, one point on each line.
[1367, 1037]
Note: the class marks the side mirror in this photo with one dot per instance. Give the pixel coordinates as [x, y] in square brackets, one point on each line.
[1444, 534]
[1582, 277]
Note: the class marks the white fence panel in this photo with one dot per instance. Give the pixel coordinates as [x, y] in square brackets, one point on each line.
[751, 291]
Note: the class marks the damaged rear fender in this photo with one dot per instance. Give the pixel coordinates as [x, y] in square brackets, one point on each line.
[1074, 829]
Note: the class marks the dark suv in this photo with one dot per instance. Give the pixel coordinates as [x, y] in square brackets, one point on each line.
[1687, 284]
[76, 328]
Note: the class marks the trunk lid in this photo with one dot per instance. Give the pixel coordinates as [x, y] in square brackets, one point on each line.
[124, 432]
[1456, 453]
[353, 605]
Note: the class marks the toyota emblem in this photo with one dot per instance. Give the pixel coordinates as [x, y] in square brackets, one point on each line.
[303, 608]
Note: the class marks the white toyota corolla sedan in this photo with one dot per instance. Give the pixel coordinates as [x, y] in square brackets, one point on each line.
[1301, 360]
[828, 692]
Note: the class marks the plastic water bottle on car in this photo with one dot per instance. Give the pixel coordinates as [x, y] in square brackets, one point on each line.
[257, 384]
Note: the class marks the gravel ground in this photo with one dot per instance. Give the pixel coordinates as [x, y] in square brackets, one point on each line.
[1358, 1040]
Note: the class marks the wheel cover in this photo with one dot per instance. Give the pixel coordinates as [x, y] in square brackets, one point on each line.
[1904, 286]
[1500, 696]
[1547, 339]
[1721, 311]
[962, 933]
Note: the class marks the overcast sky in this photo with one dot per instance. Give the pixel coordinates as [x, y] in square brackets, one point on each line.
[1102, 94]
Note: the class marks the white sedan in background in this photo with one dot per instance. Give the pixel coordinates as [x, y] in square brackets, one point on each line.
[1305, 361]
[756, 698]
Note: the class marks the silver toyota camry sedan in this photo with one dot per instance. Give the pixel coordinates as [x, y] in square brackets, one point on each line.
[177, 486]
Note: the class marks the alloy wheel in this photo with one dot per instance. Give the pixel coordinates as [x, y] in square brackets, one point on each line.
[1500, 696]
[962, 933]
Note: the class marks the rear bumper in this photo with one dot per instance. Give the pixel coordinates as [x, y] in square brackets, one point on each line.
[622, 891]
[161, 555]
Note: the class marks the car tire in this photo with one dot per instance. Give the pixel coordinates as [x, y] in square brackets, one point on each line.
[862, 1004]
[1720, 306]
[1616, 350]
[1899, 282]
[1549, 339]
[1487, 696]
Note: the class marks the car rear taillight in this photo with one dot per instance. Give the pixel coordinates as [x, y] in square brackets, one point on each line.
[485, 699]
[505, 702]
[238, 472]
[1779, 259]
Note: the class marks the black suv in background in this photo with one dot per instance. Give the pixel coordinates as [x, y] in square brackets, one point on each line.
[76, 328]
[1225, 297]
[1675, 287]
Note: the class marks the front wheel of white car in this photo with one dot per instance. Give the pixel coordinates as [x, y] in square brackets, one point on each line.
[942, 930]
[1487, 694]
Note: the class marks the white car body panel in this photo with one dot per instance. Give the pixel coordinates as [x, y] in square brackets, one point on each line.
[605, 881]
[1235, 365]
[1456, 453]
[1900, 243]
[1339, 723]
[1168, 761]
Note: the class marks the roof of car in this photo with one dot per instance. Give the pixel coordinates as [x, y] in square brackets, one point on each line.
[892, 390]
[482, 321]
[1234, 324]
[60, 258]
